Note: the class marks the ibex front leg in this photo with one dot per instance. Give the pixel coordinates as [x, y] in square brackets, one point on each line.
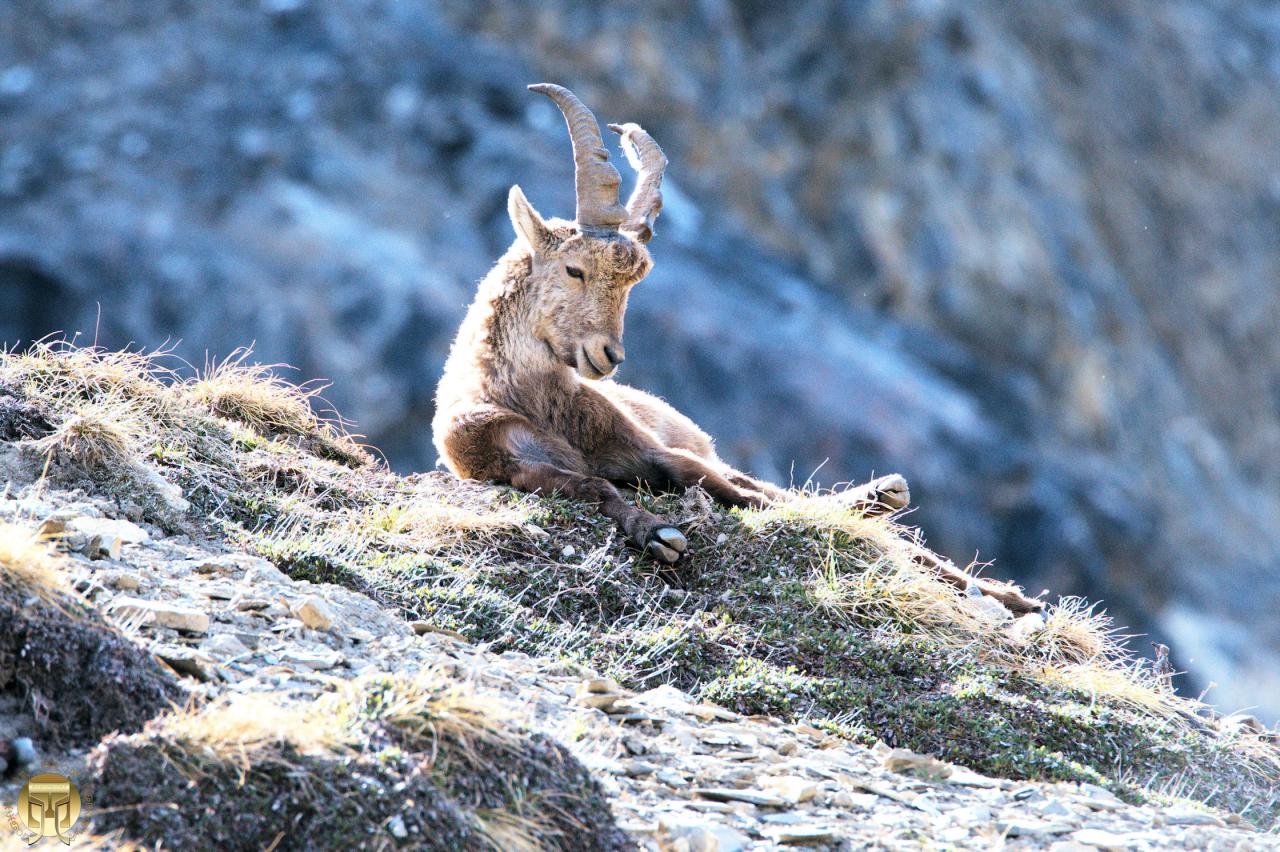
[492, 443]
[644, 529]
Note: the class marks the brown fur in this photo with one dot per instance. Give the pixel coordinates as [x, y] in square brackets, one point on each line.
[525, 397]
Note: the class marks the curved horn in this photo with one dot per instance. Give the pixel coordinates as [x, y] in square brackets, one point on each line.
[596, 181]
[647, 159]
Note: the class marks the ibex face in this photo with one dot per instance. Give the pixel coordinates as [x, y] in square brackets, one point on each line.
[578, 284]
[581, 271]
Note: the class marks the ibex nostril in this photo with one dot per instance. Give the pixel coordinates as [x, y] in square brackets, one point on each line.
[615, 354]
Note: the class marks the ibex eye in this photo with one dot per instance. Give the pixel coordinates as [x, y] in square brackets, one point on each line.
[574, 272]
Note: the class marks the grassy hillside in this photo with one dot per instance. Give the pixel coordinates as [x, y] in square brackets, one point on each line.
[805, 611]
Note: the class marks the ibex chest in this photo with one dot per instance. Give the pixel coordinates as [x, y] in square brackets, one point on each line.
[576, 415]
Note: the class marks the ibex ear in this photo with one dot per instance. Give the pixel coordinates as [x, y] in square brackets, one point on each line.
[526, 221]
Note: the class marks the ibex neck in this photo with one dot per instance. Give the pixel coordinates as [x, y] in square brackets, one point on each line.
[514, 364]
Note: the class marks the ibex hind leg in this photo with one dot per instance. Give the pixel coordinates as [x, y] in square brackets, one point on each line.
[879, 496]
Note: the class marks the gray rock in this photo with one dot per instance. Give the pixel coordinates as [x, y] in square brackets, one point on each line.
[314, 612]
[1109, 841]
[803, 835]
[702, 837]
[759, 798]
[160, 614]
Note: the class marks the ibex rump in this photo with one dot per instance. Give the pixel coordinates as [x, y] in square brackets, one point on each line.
[522, 401]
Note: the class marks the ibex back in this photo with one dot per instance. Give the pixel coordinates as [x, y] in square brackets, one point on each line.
[525, 397]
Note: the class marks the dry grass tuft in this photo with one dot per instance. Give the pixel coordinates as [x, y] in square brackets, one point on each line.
[866, 572]
[102, 434]
[61, 373]
[255, 395]
[506, 831]
[430, 712]
[28, 562]
[250, 730]
[1119, 680]
[1076, 632]
[428, 524]
[258, 397]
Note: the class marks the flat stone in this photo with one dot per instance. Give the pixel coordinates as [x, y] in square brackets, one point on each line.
[358, 634]
[803, 835]
[160, 614]
[785, 818]
[599, 701]
[759, 798]
[314, 612]
[185, 661]
[700, 836]
[227, 565]
[968, 778]
[1106, 840]
[1054, 808]
[122, 580]
[1032, 828]
[671, 778]
[713, 712]
[52, 528]
[100, 546]
[907, 762]
[218, 591]
[317, 659]
[790, 787]
[633, 717]
[1100, 798]
[126, 532]
[1189, 817]
[262, 571]
[422, 628]
[224, 646]
[599, 686]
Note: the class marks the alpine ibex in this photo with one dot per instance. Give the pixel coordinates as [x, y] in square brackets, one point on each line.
[523, 398]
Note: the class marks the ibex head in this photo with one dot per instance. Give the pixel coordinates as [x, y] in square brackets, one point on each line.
[581, 271]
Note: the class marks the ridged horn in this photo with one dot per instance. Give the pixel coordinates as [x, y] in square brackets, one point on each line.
[595, 179]
[647, 159]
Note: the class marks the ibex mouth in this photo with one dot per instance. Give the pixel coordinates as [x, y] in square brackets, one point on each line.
[585, 361]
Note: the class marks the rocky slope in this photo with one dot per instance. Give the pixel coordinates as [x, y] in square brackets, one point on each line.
[1022, 252]
[351, 654]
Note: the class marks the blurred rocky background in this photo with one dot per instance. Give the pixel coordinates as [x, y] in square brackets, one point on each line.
[1025, 253]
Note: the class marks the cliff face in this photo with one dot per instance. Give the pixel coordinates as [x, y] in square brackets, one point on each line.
[1021, 253]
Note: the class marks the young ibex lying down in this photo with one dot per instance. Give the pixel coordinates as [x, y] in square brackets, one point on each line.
[523, 400]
